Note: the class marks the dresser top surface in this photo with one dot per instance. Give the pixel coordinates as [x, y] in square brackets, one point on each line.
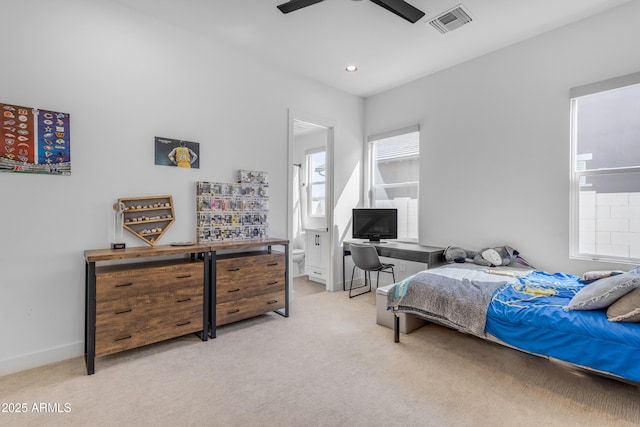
[95, 255]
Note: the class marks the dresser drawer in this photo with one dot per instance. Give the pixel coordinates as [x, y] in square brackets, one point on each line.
[248, 267]
[249, 275]
[141, 310]
[244, 308]
[271, 280]
[117, 282]
[136, 328]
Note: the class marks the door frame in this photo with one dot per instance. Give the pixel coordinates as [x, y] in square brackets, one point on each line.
[330, 126]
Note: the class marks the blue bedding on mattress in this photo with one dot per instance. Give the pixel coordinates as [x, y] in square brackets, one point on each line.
[527, 313]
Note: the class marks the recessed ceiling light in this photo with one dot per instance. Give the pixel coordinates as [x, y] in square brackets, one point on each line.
[351, 68]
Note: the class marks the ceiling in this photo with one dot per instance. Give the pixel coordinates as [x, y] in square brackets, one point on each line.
[320, 40]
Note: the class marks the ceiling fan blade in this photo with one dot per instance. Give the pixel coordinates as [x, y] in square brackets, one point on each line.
[293, 5]
[401, 8]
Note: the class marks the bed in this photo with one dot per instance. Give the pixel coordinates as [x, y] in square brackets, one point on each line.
[550, 315]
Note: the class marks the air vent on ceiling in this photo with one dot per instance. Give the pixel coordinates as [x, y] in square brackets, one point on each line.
[451, 19]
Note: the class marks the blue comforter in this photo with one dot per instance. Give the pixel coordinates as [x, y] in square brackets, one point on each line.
[527, 313]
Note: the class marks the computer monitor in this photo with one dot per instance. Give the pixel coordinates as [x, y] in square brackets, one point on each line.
[374, 224]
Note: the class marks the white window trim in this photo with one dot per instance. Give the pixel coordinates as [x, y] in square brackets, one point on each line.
[368, 196]
[576, 175]
[308, 156]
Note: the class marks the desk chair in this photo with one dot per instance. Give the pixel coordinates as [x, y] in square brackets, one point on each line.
[366, 258]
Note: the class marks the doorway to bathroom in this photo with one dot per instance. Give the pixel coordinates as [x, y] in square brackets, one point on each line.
[311, 200]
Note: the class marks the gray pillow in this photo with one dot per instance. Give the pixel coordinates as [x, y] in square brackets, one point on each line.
[635, 270]
[604, 292]
[626, 309]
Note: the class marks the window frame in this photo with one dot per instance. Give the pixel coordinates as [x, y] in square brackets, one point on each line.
[578, 174]
[370, 171]
[310, 183]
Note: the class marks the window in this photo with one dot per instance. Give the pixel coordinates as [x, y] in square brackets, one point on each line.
[605, 176]
[394, 176]
[316, 177]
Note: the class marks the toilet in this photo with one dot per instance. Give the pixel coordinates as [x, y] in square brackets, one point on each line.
[297, 255]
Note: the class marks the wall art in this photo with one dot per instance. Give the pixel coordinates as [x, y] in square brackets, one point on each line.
[175, 152]
[34, 141]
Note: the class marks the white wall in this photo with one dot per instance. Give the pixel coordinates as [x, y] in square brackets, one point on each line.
[495, 137]
[126, 78]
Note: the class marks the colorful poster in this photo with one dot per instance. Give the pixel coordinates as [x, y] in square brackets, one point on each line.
[17, 133]
[175, 152]
[53, 138]
[34, 141]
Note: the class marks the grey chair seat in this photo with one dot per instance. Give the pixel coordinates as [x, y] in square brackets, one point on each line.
[365, 257]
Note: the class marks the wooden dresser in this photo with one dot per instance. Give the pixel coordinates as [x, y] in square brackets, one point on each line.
[193, 289]
[249, 284]
[138, 303]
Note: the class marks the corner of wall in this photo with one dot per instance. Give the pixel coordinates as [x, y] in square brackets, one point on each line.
[41, 358]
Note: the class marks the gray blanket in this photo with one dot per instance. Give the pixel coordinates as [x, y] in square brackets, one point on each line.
[456, 295]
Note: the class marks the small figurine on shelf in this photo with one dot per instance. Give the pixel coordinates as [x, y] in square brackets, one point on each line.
[118, 226]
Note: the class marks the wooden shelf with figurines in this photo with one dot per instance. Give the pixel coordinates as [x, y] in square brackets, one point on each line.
[148, 217]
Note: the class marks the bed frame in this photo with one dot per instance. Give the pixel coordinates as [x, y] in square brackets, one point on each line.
[396, 339]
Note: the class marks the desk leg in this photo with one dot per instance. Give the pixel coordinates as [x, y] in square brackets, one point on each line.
[90, 317]
[344, 288]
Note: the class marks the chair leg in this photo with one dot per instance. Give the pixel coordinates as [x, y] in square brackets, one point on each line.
[367, 279]
[393, 274]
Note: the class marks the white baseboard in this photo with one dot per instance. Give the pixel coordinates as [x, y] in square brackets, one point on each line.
[41, 358]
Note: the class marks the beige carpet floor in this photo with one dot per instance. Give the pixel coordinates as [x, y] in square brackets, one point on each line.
[328, 364]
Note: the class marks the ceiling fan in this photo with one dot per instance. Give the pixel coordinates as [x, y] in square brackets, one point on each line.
[399, 7]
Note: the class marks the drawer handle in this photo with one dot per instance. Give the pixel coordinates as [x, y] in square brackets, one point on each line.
[124, 311]
[271, 264]
[184, 300]
[123, 338]
[233, 311]
[273, 301]
[124, 284]
[186, 276]
[234, 290]
[234, 269]
[272, 283]
[183, 323]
